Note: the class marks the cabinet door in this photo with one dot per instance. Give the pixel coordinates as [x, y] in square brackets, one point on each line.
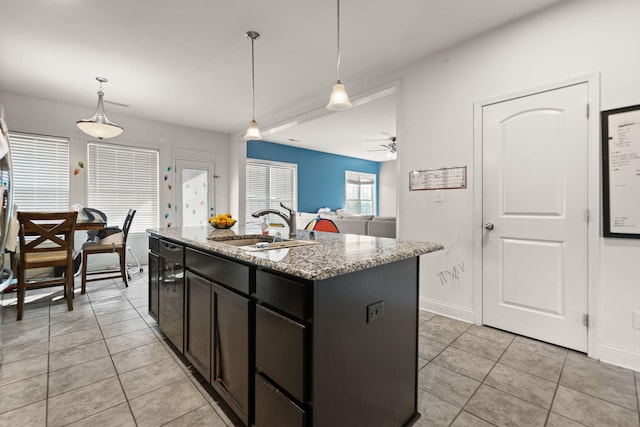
[154, 285]
[197, 344]
[231, 349]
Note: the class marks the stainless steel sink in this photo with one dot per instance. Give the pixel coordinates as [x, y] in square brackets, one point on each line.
[259, 243]
[279, 245]
[245, 242]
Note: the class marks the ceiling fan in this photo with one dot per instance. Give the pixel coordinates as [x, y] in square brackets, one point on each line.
[390, 148]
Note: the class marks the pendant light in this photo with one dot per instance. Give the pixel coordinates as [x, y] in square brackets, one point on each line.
[339, 99]
[253, 132]
[99, 126]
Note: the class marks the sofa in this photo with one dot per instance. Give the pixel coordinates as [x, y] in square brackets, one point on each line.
[365, 225]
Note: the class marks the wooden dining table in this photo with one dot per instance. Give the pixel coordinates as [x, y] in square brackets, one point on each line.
[89, 224]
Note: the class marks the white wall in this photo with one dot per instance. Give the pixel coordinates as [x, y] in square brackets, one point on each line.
[49, 118]
[572, 39]
[387, 189]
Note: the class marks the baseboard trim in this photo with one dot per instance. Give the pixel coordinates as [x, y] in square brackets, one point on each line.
[448, 310]
[619, 357]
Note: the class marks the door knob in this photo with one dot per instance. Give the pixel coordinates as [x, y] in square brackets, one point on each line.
[488, 226]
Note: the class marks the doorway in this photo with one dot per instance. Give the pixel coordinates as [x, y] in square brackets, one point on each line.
[535, 232]
[194, 192]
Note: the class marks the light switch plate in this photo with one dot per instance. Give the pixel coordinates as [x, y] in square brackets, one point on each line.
[438, 197]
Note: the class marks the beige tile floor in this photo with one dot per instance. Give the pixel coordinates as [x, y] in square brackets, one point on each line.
[106, 364]
[477, 376]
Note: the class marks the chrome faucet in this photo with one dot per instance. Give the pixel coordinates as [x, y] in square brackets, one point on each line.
[290, 220]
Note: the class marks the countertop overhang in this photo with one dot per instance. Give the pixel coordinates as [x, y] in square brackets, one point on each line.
[334, 255]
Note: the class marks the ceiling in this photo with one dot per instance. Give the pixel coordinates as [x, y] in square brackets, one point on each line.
[188, 63]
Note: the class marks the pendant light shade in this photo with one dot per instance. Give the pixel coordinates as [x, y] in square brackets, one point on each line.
[339, 99]
[253, 132]
[99, 126]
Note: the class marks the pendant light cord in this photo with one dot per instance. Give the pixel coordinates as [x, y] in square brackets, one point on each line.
[253, 133]
[253, 83]
[338, 38]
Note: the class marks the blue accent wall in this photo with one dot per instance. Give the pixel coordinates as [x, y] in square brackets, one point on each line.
[320, 175]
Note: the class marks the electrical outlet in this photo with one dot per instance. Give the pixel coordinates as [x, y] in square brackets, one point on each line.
[438, 197]
[636, 320]
[375, 311]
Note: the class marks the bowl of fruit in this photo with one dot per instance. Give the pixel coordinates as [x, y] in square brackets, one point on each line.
[222, 221]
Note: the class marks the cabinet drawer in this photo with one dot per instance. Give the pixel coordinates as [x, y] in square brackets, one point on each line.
[219, 270]
[280, 350]
[284, 294]
[153, 244]
[273, 409]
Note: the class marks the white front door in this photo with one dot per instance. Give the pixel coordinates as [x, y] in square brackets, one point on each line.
[194, 192]
[534, 212]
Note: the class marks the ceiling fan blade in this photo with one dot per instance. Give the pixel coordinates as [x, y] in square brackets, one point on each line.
[385, 139]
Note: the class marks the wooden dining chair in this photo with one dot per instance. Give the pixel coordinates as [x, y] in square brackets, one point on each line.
[116, 245]
[46, 240]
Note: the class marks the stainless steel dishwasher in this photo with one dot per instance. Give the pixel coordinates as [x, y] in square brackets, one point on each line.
[171, 292]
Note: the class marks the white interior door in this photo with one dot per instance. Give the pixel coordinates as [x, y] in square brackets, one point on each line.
[194, 192]
[534, 210]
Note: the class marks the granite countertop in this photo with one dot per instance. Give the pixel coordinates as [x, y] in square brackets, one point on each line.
[334, 254]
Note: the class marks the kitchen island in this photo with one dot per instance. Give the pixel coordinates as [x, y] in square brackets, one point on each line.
[322, 334]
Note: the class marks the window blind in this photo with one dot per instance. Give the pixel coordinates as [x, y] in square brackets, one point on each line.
[40, 172]
[268, 184]
[122, 178]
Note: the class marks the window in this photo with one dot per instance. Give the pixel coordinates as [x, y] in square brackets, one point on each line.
[360, 191]
[122, 178]
[268, 184]
[40, 172]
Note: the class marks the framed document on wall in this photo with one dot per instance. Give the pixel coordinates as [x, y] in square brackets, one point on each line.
[621, 172]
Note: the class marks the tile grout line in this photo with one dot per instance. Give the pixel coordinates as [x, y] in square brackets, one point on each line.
[637, 385]
[436, 356]
[586, 393]
[555, 391]
[46, 402]
[114, 366]
[635, 382]
[103, 339]
[482, 382]
[170, 356]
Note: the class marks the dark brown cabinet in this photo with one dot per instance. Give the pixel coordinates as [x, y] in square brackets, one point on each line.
[230, 356]
[322, 360]
[217, 315]
[289, 352]
[280, 350]
[197, 343]
[282, 372]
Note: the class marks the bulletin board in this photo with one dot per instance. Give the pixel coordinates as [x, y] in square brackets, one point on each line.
[621, 172]
[438, 179]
